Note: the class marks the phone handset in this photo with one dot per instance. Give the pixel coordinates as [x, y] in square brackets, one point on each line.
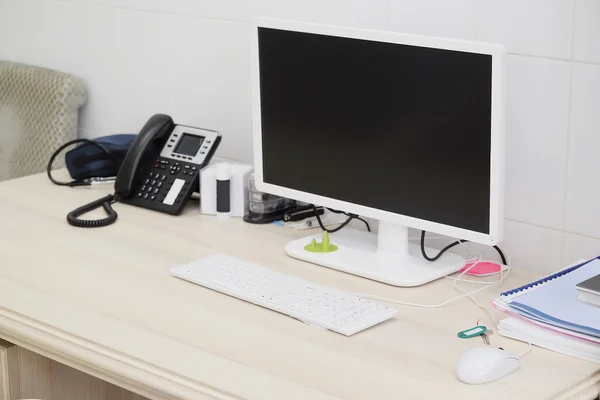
[145, 146]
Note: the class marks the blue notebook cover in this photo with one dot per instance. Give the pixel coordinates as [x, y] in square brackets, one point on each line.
[556, 301]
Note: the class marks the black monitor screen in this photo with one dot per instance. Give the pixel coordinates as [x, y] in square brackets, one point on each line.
[395, 127]
[189, 144]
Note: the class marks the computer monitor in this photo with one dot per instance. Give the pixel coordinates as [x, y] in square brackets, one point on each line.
[405, 129]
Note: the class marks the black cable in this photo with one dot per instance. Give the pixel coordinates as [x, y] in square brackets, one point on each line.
[64, 146]
[104, 202]
[451, 245]
[351, 215]
[445, 249]
[339, 228]
[501, 253]
[365, 221]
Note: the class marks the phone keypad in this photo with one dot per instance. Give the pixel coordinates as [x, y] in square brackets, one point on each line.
[159, 182]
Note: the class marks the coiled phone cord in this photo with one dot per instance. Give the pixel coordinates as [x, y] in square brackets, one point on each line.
[106, 202]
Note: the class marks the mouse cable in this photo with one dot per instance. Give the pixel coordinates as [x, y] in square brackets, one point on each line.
[451, 245]
[521, 354]
[444, 303]
[463, 293]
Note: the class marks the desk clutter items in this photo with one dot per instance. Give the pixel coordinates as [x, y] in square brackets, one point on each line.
[548, 314]
[483, 268]
[588, 291]
[478, 330]
[264, 208]
[225, 186]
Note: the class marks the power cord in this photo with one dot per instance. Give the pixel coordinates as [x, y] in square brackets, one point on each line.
[451, 245]
[351, 215]
[365, 221]
[343, 225]
[339, 228]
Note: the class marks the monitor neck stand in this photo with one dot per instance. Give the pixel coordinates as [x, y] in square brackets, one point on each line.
[385, 257]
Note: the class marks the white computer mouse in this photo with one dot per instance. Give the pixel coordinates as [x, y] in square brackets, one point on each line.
[486, 364]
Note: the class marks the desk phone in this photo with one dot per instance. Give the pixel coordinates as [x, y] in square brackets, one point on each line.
[160, 171]
[165, 181]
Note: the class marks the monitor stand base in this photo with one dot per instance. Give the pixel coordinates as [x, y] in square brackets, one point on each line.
[387, 257]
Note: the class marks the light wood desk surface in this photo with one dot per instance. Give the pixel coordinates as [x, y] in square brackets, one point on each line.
[102, 301]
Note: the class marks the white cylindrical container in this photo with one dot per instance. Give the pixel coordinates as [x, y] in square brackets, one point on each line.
[223, 177]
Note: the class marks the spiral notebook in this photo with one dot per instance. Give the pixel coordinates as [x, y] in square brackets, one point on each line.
[553, 300]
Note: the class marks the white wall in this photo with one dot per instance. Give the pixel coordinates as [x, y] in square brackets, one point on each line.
[189, 58]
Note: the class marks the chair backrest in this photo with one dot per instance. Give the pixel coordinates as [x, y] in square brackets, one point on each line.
[38, 113]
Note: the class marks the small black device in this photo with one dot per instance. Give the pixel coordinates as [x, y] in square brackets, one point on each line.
[160, 171]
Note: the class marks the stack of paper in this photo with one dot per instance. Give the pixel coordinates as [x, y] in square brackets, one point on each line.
[547, 313]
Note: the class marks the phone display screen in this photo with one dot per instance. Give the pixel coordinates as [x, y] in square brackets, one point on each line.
[189, 144]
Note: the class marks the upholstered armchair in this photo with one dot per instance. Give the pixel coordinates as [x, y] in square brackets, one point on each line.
[38, 112]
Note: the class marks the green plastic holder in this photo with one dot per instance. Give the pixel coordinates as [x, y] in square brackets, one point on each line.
[324, 247]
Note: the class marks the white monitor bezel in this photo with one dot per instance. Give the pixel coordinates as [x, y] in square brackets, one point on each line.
[497, 52]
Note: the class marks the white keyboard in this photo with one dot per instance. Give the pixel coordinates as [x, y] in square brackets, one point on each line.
[314, 304]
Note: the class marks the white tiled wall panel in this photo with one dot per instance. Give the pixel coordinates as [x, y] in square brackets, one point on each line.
[577, 247]
[536, 27]
[586, 40]
[363, 13]
[190, 59]
[536, 138]
[144, 48]
[221, 10]
[582, 212]
[455, 19]
[534, 247]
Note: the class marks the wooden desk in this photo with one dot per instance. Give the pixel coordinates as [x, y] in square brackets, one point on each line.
[102, 301]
